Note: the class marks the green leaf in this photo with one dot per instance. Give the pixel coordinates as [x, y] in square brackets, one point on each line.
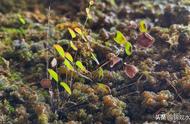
[73, 46]
[128, 48]
[100, 72]
[72, 33]
[79, 31]
[69, 56]
[88, 13]
[68, 65]
[113, 2]
[120, 38]
[104, 87]
[59, 50]
[81, 66]
[21, 20]
[53, 74]
[66, 87]
[94, 58]
[142, 26]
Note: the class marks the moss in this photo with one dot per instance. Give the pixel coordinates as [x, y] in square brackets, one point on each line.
[12, 5]
[42, 119]
[15, 76]
[13, 32]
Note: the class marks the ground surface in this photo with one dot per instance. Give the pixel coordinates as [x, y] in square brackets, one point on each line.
[149, 86]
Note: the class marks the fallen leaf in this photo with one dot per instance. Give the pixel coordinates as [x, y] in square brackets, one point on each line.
[145, 40]
[113, 59]
[45, 83]
[130, 70]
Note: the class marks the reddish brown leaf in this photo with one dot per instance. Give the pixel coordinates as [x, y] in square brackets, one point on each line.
[145, 40]
[113, 59]
[45, 83]
[130, 70]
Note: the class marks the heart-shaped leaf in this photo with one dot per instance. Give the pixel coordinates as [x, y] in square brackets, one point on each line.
[130, 70]
[120, 38]
[128, 48]
[142, 26]
[145, 40]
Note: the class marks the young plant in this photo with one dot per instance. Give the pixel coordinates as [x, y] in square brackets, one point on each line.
[143, 27]
[121, 40]
[54, 75]
[89, 16]
[81, 66]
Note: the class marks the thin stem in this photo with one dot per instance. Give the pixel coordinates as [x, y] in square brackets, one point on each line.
[48, 38]
[87, 16]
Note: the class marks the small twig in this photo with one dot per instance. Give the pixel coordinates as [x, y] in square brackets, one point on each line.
[83, 76]
[105, 63]
[169, 82]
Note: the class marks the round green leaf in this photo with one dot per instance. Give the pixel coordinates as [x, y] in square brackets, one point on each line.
[128, 48]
